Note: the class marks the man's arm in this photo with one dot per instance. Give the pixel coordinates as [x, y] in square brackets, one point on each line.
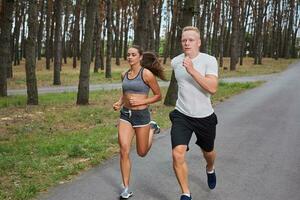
[208, 82]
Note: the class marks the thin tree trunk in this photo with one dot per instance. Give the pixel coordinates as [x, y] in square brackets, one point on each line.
[234, 46]
[76, 33]
[109, 40]
[48, 33]
[40, 31]
[5, 39]
[117, 33]
[58, 42]
[84, 77]
[66, 26]
[17, 28]
[30, 65]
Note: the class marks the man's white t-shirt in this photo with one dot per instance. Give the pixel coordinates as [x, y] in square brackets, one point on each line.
[192, 100]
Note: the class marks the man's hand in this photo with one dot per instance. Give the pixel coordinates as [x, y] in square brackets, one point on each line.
[188, 64]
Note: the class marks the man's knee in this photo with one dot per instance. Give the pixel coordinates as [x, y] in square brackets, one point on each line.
[210, 154]
[178, 154]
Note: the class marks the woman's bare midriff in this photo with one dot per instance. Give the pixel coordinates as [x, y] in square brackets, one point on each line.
[127, 104]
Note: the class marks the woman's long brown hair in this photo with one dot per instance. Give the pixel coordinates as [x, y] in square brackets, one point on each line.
[151, 62]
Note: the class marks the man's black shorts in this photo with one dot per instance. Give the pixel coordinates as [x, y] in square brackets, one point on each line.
[183, 127]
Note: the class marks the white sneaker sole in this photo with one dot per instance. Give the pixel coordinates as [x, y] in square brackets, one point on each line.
[127, 196]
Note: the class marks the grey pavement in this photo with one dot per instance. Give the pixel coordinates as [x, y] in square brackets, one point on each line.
[258, 146]
[110, 86]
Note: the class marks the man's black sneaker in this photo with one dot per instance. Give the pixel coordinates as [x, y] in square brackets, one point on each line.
[154, 125]
[184, 197]
[211, 179]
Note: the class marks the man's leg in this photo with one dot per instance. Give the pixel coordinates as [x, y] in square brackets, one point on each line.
[210, 171]
[210, 159]
[180, 167]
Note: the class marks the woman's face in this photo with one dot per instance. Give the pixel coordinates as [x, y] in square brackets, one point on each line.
[133, 57]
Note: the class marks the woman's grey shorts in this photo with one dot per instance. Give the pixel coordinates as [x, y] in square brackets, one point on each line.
[137, 118]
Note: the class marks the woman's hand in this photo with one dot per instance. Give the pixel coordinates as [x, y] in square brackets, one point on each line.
[135, 101]
[117, 106]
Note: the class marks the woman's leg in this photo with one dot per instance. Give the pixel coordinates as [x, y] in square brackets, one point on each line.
[144, 137]
[125, 136]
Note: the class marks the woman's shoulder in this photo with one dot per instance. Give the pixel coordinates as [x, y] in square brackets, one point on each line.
[123, 74]
[147, 74]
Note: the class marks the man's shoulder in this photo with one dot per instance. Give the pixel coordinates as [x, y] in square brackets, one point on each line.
[206, 56]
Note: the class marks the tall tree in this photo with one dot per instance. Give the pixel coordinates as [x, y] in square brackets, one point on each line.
[5, 38]
[234, 43]
[41, 28]
[259, 40]
[117, 32]
[30, 65]
[84, 77]
[20, 7]
[76, 31]
[290, 29]
[141, 33]
[58, 42]
[109, 16]
[48, 33]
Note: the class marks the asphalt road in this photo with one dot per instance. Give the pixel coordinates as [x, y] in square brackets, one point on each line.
[110, 86]
[258, 145]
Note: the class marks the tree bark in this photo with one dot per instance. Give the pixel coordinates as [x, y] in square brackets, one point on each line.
[58, 42]
[48, 33]
[84, 77]
[30, 65]
[40, 31]
[109, 17]
[234, 44]
[5, 39]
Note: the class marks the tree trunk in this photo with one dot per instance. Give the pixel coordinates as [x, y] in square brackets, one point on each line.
[58, 42]
[259, 39]
[66, 26]
[40, 31]
[141, 32]
[117, 33]
[18, 21]
[30, 65]
[234, 46]
[84, 77]
[157, 24]
[126, 29]
[48, 33]
[5, 39]
[109, 17]
[290, 29]
[76, 32]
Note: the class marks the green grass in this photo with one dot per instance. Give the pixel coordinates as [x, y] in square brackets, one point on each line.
[41, 146]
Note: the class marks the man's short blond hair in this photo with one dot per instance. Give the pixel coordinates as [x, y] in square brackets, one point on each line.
[191, 28]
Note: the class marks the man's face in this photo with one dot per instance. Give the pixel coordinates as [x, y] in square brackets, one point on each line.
[190, 41]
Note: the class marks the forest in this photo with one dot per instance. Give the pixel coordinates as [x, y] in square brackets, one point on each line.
[98, 30]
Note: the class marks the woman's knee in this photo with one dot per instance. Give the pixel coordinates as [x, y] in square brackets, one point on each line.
[142, 152]
[124, 152]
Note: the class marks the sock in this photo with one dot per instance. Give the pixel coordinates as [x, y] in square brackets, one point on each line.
[186, 194]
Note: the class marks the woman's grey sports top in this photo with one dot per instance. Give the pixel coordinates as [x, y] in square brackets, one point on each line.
[136, 85]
